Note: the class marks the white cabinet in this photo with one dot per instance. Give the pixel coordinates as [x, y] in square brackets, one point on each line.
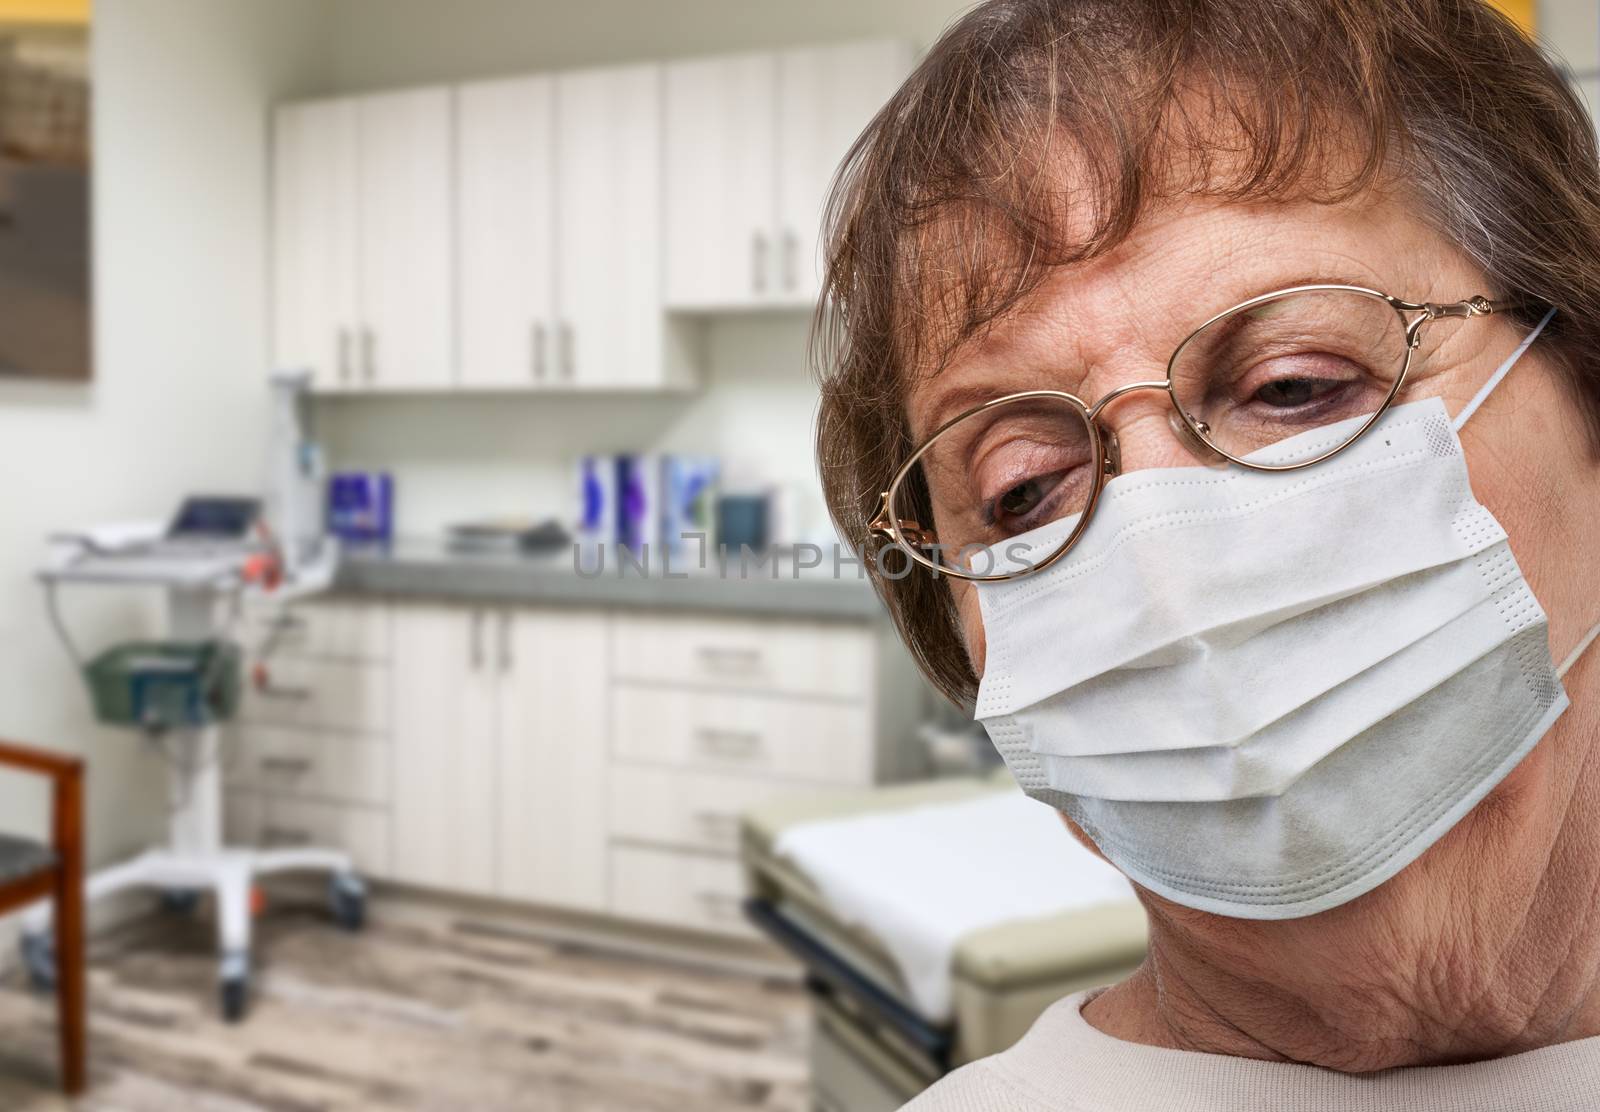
[552, 770]
[721, 169]
[505, 220]
[444, 749]
[363, 277]
[559, 224]
[315, 195]
[407, 280]
[752, 144]
[309, 758]
[712, 716]
[611, 330]
[826, 97]
[499, 754]
[530, 233]
[582, 759]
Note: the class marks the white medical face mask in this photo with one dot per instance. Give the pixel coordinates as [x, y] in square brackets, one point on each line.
[1263, 694]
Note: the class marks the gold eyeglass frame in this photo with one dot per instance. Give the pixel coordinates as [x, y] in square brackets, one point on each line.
[911, 536]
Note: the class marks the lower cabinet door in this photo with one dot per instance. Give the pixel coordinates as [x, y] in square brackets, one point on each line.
[552, 782]
[445, 678]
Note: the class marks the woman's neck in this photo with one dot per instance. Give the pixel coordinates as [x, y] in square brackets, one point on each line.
[1447, 962]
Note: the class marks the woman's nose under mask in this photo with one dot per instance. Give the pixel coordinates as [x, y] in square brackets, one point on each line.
[1279, 689]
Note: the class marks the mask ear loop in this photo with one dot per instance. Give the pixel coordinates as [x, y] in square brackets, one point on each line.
[1572, 657]
[1500, 372]
[1472, 407]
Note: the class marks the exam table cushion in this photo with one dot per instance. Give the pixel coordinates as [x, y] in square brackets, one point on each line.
[20, 858]
[1030, 935]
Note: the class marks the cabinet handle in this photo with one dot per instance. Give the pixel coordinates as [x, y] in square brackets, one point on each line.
[724, 658]
[369, 357]
[538, 341]
[285, 836]
[729, 743]
[720, 905]
[477, 640]
[569, 347]
[290, 766]
[791, 260]
[506, 659]
[344, 354]
[758, 262]
[718, 825]
[269, 690]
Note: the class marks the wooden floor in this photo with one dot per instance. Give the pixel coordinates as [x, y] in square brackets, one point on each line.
[430, 1008]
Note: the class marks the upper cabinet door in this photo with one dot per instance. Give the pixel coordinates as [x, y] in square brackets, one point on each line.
[721, 162]
[314, 200]
[826, 97]
[608, 228]
[505, 221]
[407, 278]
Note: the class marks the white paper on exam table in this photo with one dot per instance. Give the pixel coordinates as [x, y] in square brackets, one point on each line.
[919, 879]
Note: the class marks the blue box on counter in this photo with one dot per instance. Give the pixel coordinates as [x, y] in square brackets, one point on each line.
[647, 502]
[361, 506]
[638, 502]
[688, 502]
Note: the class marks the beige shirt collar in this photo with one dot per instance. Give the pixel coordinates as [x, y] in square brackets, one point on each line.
[1064, 1063]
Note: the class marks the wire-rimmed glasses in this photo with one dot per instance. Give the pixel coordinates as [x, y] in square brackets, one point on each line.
[1267, 370]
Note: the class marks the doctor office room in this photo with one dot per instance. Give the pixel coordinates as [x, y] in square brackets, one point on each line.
[431, 675]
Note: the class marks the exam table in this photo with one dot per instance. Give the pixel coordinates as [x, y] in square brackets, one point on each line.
[873, 1047]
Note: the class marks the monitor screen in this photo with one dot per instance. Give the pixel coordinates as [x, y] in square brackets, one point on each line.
[209, 517]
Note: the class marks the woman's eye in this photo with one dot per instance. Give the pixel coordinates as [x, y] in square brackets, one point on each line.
[1027, 504]
[1289, 393]
[1025, 497]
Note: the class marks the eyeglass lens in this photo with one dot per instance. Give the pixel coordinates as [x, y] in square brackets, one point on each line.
[1286, 366]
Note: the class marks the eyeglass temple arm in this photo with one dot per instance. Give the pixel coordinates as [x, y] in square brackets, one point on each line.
[910, 529]
[1477, 306]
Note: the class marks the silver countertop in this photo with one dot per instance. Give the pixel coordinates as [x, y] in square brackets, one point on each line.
[430, 569]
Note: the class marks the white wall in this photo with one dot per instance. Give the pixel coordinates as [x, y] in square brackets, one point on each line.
[178, 400]
[1570, 29]
[455, 458]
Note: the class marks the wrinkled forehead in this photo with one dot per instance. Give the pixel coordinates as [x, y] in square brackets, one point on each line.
[978, 242]
[1093, 325]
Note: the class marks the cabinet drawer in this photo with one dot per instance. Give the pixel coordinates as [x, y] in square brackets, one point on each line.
[697, 810]
[303, 764]
[825, 742]
[803, 658]
[273, 822]
[334, 630]
[330, 694]
[684, 889]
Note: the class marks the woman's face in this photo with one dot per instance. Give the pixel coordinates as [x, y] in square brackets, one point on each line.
[1526, 851]
[1116, 320]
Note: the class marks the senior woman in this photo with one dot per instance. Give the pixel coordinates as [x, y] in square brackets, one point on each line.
[1217, 385]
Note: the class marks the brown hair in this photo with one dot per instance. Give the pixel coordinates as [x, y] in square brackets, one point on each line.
[957, 200]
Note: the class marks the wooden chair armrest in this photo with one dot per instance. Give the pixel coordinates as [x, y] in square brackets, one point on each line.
[66, 817]
[57, 766]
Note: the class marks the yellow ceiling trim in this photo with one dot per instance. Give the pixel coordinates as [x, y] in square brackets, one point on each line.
[44, 11]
